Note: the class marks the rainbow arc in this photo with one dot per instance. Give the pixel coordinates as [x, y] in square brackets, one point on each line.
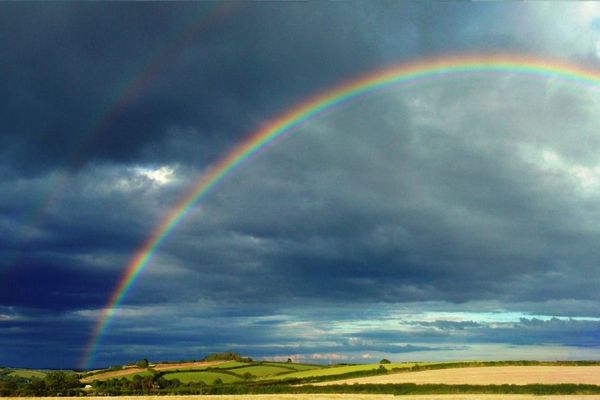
[295, 118]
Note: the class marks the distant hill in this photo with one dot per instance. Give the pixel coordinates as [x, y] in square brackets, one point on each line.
[226, 356]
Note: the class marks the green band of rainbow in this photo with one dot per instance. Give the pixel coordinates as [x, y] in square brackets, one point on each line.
[290, 121]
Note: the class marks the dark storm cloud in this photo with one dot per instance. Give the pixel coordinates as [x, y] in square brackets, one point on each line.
[424, 209]
[69, 253]
[67, 65]
[54, 283]
[188, 69]
[52, 338]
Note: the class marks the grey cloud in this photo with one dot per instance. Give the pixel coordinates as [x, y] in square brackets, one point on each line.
[417, 212]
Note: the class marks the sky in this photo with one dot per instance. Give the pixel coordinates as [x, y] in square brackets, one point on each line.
[455, 218]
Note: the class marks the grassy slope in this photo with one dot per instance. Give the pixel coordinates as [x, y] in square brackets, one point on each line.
[27, 373]
[207, 377]
[103, 375]
[338, 370]
[222, 364]
[294, 366]
[230, 364]
[142, 374]
[192, 372]
[130, 372]
[262, 370]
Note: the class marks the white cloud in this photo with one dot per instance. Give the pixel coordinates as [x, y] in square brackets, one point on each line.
[584, 179]
[559, 29]
[161, 175]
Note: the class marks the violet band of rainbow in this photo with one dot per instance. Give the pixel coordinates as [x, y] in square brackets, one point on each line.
[307, 111]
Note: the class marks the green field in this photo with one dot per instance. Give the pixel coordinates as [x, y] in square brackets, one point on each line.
[230, 364]
[268, 371]
[297, 367]
[262, 370]
[225, 365]
[27, 373]
[338, 370]
[142, 374]
[128, 376]
[234, 371]
[207, 377]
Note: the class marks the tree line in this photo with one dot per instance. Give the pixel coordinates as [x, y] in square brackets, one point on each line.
[55, 383]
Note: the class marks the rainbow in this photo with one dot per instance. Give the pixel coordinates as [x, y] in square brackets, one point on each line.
[307, 111]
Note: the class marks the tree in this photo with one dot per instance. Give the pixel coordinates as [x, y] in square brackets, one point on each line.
[227, 355]
[61, 382]
[385, 361]
[248, 375]
[56, 380]
[143, 363]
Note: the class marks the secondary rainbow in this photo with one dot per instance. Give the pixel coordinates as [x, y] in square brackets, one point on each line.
[296, 117]
[125, 95]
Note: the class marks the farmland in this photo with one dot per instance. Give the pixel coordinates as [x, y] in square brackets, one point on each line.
[263, 370]
[122, 373]
[195, 365]
[130, 372]
[207, 377]
[339, 370]
[514, 375]
[320, 381]
[208, 372]
[297, 367]
[273, 380]
[27, 373]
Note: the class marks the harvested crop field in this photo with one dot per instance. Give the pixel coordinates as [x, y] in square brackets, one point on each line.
[330, 397]
[113, 374]
[130, 371]
[187, 365]
[516, 375]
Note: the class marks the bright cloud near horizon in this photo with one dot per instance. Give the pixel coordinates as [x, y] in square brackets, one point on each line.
[455, 218]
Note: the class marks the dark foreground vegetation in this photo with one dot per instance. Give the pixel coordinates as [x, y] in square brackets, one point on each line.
[54, 383]
[67, 383]
[408, 389]
[145, 388]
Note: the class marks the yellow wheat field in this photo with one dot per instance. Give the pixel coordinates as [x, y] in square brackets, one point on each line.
[516, 375]
[330, 397]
